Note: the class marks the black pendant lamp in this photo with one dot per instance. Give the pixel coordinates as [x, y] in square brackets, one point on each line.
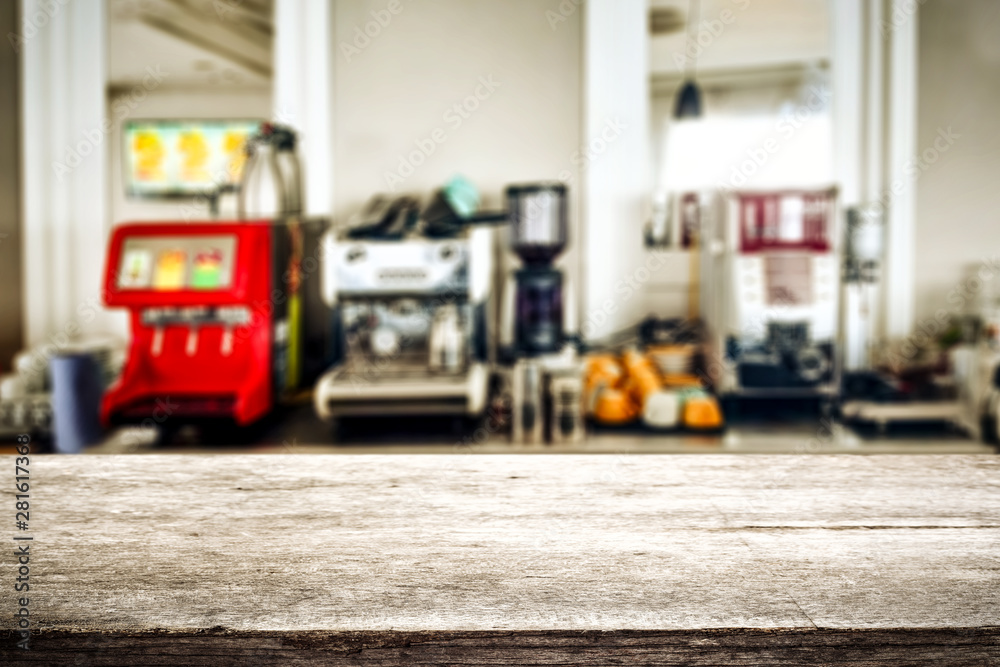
[688, 101]
[689, 97]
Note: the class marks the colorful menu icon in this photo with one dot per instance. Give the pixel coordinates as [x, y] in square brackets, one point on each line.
[149, 156]
[136, 269]
[207, 271]
[169, 272]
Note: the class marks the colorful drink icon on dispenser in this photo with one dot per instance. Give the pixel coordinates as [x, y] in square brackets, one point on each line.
[137, 266]
[170, 265]
[207, 271]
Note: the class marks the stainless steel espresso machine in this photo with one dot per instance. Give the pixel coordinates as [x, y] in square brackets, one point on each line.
[413, 317]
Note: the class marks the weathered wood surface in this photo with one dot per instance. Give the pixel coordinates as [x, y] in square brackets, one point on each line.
[754, 648]
[494, 552]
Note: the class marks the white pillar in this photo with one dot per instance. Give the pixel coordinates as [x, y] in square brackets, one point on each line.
[64, 166]
[874, 62]
[902, 146]
[616, 189]
[848, 89]
[857, 122]
[304, 43]
[875, 102]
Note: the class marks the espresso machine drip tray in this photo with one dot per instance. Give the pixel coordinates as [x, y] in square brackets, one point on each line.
[347, 394]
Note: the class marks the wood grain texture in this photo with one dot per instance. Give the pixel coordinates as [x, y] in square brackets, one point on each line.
[753, 648]
[504, 548]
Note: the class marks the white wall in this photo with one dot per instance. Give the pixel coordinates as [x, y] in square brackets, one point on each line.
[401, 88]
[432, 56]
[958, 195]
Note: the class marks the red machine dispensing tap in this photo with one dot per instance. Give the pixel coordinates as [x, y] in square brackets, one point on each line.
[225, 317]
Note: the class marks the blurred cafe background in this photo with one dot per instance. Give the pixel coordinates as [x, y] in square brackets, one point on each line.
[500, 226]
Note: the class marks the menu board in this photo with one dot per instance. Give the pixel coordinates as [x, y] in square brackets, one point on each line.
[169, 263]
[184, 158]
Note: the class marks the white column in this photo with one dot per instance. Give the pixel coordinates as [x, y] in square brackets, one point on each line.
[304, 44]
[857, 83]
[64, 165]
[875, 98]
[874, 119]
[848, 89]
[902, 146]
[616, 188]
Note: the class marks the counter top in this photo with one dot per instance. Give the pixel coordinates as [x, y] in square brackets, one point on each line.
[524, 559]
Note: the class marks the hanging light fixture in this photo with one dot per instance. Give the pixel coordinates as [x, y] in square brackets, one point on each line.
[689, 97]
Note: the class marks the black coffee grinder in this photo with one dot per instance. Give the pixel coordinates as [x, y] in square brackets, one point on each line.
[538, 235]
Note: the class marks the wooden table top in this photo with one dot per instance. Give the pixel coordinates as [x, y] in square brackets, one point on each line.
[265, 556]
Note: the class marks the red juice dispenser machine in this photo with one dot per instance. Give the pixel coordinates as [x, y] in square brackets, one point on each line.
[226, 318]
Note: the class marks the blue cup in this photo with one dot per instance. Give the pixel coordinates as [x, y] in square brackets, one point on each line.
[77, 389]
